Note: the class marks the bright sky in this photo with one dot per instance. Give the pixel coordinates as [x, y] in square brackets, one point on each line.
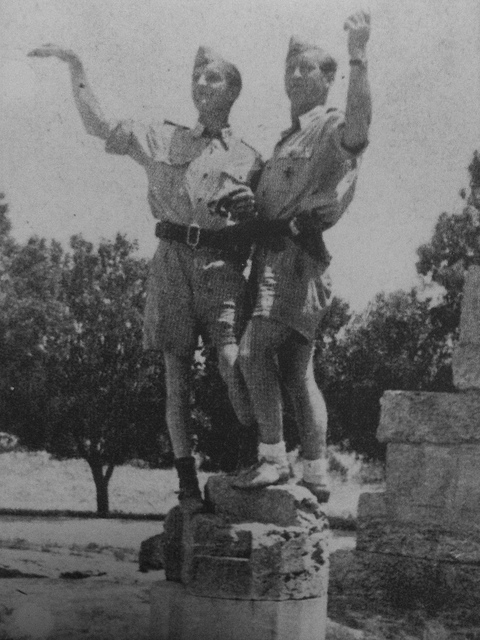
[424, 69]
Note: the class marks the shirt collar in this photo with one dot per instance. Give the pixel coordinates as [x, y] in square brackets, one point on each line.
[224, 135]
[305, 120]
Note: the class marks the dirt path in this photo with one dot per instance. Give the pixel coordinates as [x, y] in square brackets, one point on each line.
[73, 579]
[67, 532]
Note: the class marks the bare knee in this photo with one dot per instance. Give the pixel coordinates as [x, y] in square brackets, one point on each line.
[228, 361]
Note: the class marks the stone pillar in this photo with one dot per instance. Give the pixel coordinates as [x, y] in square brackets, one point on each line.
[419, 541]
[255, 566]
[466, 357]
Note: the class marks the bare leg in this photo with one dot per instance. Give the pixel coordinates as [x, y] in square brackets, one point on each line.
[259, 365]
[296, 365]
[177, 378]
[237, 389]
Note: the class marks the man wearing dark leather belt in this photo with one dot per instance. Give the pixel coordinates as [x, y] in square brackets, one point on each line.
[196, 277]
[306, 187]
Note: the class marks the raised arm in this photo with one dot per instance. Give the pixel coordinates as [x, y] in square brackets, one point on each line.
[358, 113]
[90, 111]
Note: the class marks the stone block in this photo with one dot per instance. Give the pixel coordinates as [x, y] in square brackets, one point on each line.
[372, 506]
[428, 417]
[220, 577]
[466, 366]
[178, 615]
[212, 536]
[470, 316]
[151, 556]
[435, 544]
[432, 485]
[424, 474]
[409, 582]
[283, 562]
[283, 505]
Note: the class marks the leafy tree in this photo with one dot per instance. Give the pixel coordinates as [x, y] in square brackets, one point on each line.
[106, 398]
[454, 247]
[31, 315]
[393, 345]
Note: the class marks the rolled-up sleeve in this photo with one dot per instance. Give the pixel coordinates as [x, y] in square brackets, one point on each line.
[141, 142]
[120, 138]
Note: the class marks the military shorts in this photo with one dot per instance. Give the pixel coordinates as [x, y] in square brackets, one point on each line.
[192, 293]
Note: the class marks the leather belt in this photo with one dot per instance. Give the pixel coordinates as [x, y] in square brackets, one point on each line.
[195, 237]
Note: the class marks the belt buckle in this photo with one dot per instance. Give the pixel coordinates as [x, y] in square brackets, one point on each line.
[193, 243]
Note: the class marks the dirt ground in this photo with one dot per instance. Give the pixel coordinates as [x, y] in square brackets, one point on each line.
[78, 579]
[71, 579]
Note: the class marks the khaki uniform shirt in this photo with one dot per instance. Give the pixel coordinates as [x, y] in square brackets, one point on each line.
[309, 169]
[187, 288]
[185, 169]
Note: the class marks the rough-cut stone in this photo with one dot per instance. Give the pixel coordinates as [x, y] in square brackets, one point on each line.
[466, 366]
[256, 561]
[428, 417]
[151, 556]
[433, 485]
[229, 553]
[283, 505]
[419, 541]
[212, 536]
[179, 615]
[466, 355]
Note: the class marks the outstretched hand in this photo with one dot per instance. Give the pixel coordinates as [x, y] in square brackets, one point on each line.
[53, 51]
[358, 27]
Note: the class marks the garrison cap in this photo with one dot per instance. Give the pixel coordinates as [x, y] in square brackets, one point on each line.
[297, 46]
[206, 55]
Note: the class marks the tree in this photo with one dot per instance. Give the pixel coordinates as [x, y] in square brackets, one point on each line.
[31, 314]
[454, 247]
[106, 398]
[393, 345]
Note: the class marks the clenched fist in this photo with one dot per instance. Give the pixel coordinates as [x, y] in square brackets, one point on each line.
[358, 27]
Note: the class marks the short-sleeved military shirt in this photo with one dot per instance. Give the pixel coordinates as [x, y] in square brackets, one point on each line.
[185, 168]
[309, 170]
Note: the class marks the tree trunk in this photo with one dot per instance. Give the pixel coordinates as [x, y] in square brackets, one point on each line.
[101, 485]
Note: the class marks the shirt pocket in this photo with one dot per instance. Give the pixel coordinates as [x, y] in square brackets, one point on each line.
[297, 152]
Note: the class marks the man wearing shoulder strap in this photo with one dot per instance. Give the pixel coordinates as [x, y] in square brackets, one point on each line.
[196, 280]
[304, 189]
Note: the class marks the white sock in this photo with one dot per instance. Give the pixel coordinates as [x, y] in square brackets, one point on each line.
[315, 470]
[273, 452]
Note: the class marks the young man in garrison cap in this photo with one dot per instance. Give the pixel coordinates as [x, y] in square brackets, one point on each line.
[196, 278]
[304, 189]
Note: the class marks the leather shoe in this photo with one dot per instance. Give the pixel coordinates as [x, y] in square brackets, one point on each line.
[262, 474]
[319, 489]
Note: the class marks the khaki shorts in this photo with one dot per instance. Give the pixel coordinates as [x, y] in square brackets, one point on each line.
[191, 293]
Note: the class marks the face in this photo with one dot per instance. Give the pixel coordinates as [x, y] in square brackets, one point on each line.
[210, 88]
[305, 83]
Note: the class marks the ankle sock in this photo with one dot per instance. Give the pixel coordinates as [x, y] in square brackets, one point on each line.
[315, 470]
[273, 452]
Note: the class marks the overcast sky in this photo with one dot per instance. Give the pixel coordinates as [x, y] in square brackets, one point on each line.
[425, 75]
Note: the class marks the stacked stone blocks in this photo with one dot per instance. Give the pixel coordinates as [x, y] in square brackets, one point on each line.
[257, 560]
[421, 537]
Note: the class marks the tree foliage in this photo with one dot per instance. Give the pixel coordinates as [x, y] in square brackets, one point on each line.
[75, 380]
[106, 402]
[392, 345]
